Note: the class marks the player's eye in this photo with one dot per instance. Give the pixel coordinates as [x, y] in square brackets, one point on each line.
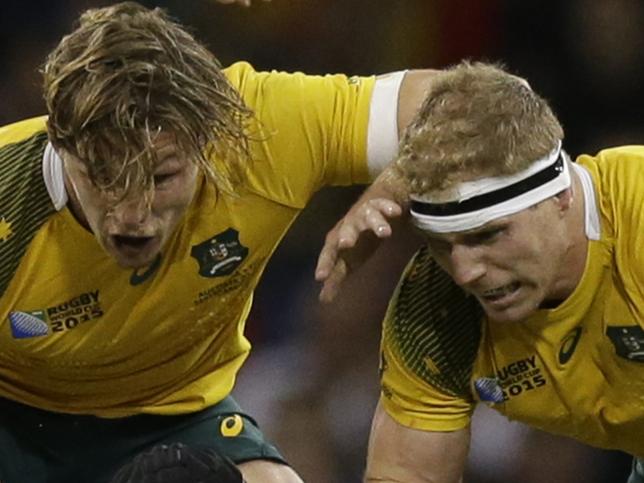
[162, 178]
[486, 236]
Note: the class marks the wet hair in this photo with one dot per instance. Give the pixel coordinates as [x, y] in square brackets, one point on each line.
[477, 120]
[126, 74]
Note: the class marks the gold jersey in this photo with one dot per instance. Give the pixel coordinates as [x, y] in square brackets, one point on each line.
[79, 334]
[576, 370]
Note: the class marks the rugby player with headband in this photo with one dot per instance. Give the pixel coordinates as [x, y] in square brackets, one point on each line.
[528, 295]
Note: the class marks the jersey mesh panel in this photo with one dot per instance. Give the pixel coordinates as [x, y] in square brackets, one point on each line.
[24, 201]
[434, 326]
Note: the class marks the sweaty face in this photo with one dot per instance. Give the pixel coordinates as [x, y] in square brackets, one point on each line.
[132, 230]
[513, 265]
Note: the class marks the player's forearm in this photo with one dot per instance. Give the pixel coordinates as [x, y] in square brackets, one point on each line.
[415, 465]
[398, 454]
[398, 476]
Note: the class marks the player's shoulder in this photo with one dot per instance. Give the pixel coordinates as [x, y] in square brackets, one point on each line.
[239, 71]
[615, 161]
[250, 82]
[633, 151]
[255, 84]
[22, 145]
[618, 174]
[434, 326]
[25, 204]
[22, 130]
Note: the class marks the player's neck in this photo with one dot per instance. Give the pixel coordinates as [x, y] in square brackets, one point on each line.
[576, 253]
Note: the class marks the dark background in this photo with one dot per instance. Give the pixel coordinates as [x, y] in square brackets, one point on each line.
[312, 378]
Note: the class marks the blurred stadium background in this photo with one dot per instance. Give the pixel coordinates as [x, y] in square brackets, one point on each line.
[311, 380]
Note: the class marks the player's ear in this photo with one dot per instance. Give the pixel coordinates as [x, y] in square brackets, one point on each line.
[564, 200]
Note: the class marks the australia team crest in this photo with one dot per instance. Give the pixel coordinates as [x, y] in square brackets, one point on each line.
[220, 255]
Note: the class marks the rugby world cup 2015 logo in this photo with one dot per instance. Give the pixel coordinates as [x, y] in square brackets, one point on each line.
[220, 255]
[28, 324]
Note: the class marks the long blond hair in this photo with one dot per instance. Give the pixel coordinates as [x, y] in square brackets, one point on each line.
[125, 74]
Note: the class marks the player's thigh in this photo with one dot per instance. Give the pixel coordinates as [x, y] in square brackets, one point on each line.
[262, 471]
[18, 464]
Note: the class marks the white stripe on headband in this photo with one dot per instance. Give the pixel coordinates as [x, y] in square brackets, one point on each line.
[481, 201]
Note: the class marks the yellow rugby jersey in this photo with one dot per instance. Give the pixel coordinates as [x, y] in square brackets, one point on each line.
[79, 334]
[576, 370]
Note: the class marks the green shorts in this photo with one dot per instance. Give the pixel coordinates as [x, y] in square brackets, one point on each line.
[39, 446]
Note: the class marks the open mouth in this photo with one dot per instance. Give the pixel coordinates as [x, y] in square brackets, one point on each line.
[132, 243]
[500, 293]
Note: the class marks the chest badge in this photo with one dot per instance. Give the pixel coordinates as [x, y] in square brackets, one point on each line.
[220, 255]
[628, 341]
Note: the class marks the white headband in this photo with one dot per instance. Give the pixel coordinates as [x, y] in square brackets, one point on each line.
[483, 200]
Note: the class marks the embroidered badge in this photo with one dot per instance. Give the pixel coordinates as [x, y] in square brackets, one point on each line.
[220, 255]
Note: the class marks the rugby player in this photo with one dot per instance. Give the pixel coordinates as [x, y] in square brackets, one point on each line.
[135, 222]
[528, 295]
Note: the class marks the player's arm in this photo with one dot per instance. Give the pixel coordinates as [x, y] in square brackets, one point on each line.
[341, 130]
[378, 211]
[398, 454]
[396, 98]
[420, 431]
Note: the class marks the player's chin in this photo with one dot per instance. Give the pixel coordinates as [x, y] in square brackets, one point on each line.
[511, 314]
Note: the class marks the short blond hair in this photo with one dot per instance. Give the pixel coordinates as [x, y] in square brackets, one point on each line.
[477, 120]
[126, 73]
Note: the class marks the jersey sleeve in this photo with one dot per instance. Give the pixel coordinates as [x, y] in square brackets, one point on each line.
[16, 132]
[430, 340]
[310, 131]
[618, 175]
[25, 204]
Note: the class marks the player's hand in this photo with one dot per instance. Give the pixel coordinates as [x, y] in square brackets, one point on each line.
[245, 3]
[352, 240]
